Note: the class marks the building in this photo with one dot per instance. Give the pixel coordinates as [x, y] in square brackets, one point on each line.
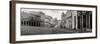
[84, 20]
[77, 20]
[34, 18]
[69, 19]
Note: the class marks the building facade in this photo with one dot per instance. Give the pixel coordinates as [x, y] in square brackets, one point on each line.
[84, 20]
[77, 20]
[35, 19]
[70, 19]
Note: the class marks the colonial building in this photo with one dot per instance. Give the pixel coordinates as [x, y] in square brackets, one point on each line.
[69, 19]
[78, 20]
[33, 18]
[84, 20]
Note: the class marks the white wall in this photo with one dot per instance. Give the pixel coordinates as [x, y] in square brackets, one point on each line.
[4, 22]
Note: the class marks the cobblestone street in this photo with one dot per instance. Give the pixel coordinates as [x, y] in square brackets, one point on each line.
[30, 30]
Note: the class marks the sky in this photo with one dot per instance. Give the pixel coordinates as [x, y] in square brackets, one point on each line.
[50, 12]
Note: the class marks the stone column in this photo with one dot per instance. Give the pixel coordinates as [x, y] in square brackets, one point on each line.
[76, 22]
[86, 21]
